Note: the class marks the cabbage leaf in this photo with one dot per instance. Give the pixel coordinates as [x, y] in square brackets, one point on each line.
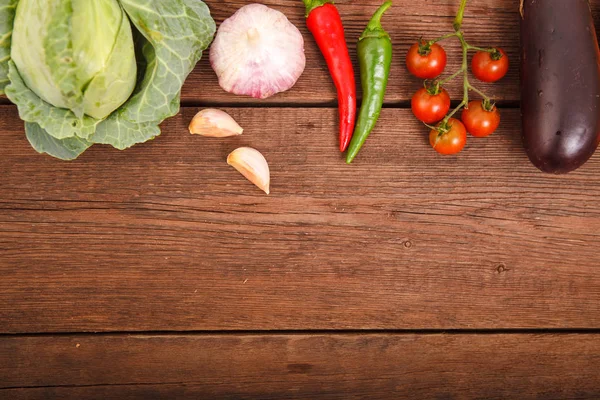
[176, 33]
[7, 17]
[59, 123]
[65, 149]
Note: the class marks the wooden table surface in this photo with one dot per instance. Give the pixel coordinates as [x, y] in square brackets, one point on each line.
[159, 272]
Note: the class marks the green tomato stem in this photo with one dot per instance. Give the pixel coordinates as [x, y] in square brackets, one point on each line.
[479, 92]
[459, 16]
[448, 36]
[465, 72]
[464, 69]
[488, 50]
[451, 77]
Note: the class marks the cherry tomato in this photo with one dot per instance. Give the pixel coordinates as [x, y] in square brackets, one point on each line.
[490, 67]
[478, 121]
[430, 108]
[449, 139]
[426, 63]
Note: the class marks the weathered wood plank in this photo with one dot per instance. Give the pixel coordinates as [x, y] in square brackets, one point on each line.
[487, 23]
[166, 236]
[375, 366]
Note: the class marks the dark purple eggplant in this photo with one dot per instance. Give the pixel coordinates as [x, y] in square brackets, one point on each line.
[560, 83]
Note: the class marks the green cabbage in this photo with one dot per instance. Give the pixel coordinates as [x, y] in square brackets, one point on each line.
[83, 72]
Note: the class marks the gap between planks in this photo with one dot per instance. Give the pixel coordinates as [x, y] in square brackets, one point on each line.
[321, 332]
[405, 104]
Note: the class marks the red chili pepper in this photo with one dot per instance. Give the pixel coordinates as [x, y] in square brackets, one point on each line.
[324, 22]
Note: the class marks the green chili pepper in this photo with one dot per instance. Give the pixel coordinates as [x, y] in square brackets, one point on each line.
[375, 59]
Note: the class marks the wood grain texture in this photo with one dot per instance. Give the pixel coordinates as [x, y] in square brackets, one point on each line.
[301, 367]
[166, 236]
[487, 23]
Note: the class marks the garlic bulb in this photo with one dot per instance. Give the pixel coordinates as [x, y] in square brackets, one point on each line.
[257, 52]
[250, 163]
[214, 123]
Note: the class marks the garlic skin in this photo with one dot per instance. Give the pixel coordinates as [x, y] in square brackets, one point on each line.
[253, 165]
[257, 52]
[214, 123]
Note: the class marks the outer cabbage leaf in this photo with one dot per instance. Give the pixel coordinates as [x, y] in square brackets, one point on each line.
[122, 133]
[57, 122]
[176, 33]
[8, 10]
[65, 149]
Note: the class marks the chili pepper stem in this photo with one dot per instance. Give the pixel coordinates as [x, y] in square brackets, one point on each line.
[374, 28]
[312, 4]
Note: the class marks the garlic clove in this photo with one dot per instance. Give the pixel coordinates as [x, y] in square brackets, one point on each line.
[257, 52]
[253, 165]
[214, 123]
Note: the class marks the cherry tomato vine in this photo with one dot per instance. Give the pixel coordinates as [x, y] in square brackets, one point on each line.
[427, 60]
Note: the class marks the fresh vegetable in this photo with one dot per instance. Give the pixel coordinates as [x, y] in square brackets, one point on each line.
[104, 71]
[449, 137]
[375, 58]
[490, 66]
[480, 119]
[560, 78]
[253, 165]
[88, 76]
[257, 52]
[214, 123]
[430, 107]
[426, 60]
[324, 22]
